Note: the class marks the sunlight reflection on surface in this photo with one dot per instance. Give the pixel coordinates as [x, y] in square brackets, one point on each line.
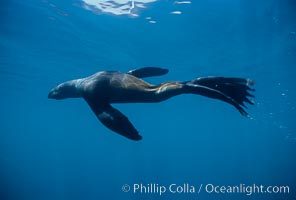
[117, 7]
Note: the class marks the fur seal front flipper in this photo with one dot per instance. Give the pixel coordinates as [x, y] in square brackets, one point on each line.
[148, 72]
[114, 119]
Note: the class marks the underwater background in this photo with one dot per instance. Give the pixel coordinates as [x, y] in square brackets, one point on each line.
[59, 150]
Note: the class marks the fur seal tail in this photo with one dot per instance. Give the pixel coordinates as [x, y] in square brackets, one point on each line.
[230, 90]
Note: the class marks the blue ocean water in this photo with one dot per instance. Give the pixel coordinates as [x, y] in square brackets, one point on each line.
[59, 150]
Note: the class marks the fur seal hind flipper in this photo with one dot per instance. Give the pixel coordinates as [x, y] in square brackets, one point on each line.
[114, 120]
[234, 91]
[148, 72]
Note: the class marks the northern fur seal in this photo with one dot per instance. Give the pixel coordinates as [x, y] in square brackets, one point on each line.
[104, 88]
